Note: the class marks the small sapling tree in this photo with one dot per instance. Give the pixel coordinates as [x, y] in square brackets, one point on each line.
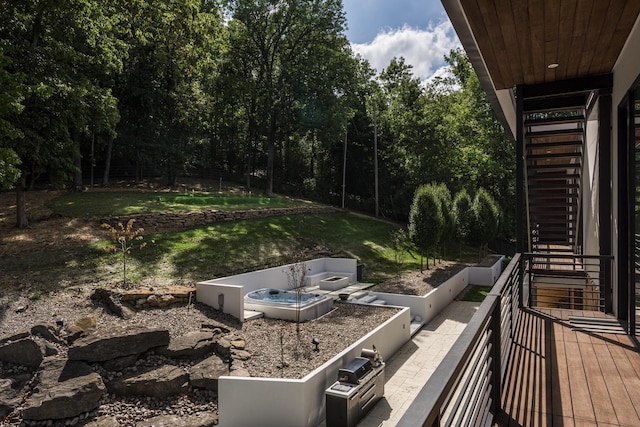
[124, 239]
[296, 274]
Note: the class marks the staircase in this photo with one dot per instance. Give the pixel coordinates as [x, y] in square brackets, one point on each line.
[554, 144]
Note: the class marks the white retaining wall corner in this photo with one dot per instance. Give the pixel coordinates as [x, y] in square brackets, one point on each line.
[276, 277]
[486, 276]
[233, 296]
[300, 403]
[429, 305]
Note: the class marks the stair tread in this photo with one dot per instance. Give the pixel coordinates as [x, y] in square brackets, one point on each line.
[554, 120]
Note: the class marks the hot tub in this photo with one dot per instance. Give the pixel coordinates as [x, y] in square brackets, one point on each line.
[283, 304]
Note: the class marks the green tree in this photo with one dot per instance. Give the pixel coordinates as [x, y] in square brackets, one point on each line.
[10, 104]
[281, 45]
[402, 132]
[464, 216]
[446, 206]
[173, 52]
[486, 220]
[60, 53]
[426, 221]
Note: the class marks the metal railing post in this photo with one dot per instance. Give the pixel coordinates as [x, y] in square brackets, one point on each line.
[496, 368]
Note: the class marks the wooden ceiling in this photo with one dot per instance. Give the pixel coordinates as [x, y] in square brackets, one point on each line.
[518, 39]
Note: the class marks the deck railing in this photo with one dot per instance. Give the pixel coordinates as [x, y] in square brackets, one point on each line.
[465, 388]
[569, 281]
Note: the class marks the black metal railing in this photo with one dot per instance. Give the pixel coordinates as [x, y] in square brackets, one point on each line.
[569, 281]
[466, 387]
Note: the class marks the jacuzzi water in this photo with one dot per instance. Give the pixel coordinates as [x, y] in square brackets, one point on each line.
[281, 296]
[283, 304]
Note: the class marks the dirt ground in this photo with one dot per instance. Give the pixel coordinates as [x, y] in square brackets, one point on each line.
[46, 230]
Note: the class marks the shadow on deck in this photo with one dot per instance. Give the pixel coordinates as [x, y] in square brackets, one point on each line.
[561, 376]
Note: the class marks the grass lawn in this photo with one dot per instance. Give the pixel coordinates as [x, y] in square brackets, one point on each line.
[230, 248]
[476, 293]
[209, 251]
[109, 203]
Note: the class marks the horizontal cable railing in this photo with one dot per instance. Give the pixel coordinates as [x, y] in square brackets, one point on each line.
[465, 388]
[568, 281]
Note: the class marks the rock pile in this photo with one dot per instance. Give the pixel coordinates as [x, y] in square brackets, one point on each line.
[58, 374]
[124, 302]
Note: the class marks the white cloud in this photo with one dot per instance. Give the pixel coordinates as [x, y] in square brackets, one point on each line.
[424, 49]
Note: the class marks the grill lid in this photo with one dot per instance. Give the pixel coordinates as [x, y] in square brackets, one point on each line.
[354, 370]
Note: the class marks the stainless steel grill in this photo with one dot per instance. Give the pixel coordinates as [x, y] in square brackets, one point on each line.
[360, 385]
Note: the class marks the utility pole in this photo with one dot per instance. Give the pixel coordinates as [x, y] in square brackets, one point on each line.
[375, 152]
[344, 167]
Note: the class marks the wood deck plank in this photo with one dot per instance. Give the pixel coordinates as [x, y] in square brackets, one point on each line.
[599, 394]
[560, 377]
[624, 360]
[561, 390]
[623, 407]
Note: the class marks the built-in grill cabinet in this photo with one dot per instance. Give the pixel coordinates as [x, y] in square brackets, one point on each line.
[360, 385]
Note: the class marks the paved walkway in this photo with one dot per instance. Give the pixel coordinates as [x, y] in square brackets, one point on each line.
[409, 369]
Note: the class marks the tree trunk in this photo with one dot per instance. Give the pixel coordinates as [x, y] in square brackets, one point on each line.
[248, 161]
[107, 164]
[77, 175]
[268, 189]
[21, 203]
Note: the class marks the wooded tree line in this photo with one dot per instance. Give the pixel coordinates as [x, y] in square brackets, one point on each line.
[259, 91]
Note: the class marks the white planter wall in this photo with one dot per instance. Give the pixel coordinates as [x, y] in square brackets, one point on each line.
[300, 403]
[234, 288]
[429, 305]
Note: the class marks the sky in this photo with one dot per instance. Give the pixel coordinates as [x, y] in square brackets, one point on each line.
[417, 30]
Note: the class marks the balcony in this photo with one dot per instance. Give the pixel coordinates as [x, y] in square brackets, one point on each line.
[521, 365]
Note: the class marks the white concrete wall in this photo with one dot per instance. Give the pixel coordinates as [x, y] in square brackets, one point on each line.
[233, 296]
[486, 276]
[234, 288]
[300, 403]
[590, 187]
[428, 306]
[625, 73]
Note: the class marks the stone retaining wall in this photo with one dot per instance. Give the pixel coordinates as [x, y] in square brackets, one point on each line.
[175, 221]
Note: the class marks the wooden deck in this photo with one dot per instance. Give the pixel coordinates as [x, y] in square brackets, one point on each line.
[562, 377]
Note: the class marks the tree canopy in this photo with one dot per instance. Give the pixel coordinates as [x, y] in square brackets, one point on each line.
[264, 92]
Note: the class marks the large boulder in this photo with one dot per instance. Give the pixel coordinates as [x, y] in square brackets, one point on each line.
[25, 352]
[165, 381]
[101, 346]
[206, 373]
[11, 391]
[65, 389]
[201, 419]
[113, 302]
[80, 328]
[191, 345]
[15, 337]
[48, 332]
[103, 421]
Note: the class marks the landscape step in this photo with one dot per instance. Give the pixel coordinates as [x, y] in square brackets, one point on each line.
[367, 299]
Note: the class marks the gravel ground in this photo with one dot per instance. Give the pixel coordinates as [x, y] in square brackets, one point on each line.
[270, 343]
[336, 330]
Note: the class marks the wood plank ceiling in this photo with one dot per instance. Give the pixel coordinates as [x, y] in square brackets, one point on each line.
[520, 38]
